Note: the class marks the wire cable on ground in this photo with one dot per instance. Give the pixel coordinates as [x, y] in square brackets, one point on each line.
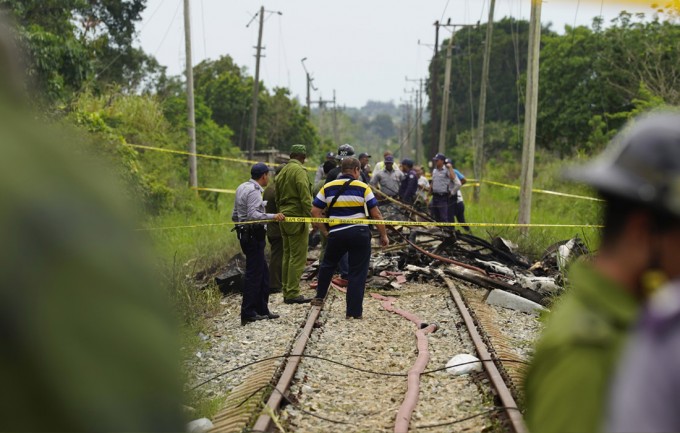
[351, 367]
[425, 426]
[447, 423]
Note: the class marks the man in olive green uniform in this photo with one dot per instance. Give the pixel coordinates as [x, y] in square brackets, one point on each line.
[566, 387]
[294, 198]
[274, 237]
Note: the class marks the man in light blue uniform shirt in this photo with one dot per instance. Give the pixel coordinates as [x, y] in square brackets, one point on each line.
[248, 206]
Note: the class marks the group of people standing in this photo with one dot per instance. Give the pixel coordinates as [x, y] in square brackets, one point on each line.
[343, 189]
[259, 207]
[409, 185]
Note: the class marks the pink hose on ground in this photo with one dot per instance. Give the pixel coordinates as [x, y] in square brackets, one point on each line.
[407, 407]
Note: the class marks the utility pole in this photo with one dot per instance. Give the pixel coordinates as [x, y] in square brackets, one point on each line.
[256, 89]
[336, 137]
[530, 113]
[309, 85]
[419, 119]
[420, 157]
[434, 85]
[322, 105]
[193, 175]
[447, 87]
[408, 148]
[479, 135]
[445, 99]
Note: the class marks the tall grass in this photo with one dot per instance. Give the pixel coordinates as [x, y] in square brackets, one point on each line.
[501, 205]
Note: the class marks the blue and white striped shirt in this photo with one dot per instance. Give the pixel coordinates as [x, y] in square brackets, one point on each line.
[354, 202]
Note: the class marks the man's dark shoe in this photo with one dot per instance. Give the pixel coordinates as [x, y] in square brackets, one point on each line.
[354, 317]
[255, 318]
[271, 315]
[317, 302]
[297, 300]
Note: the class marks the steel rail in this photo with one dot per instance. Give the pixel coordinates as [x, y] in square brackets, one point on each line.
[508, 402]
[264, 421]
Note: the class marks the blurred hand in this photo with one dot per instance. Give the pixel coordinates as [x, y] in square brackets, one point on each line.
[449, 165]
[279, 217]
[384, 241]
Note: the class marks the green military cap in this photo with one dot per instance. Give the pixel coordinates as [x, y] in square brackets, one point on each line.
[298, 148]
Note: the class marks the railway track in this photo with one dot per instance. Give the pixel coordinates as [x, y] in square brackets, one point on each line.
[351, 375]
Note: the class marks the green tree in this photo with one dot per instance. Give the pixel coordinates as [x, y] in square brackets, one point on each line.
[71, 43]
[509, 57]
[593, 80]
[226, 89]
[383, 126]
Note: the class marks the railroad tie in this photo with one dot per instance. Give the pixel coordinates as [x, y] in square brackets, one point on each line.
[241, 404]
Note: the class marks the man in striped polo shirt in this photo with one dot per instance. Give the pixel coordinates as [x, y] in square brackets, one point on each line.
[354, 199]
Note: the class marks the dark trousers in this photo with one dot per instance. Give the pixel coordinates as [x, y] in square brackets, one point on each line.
[256, 284]
[439, 207]
[275, 263]
[451, 209]
[460, 214]
[344, 261]
[356, 242]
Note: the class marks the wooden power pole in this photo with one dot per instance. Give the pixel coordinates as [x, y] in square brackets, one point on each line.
[445, 99]
[419, 118]
[256, 89]
[530, 113]
[479, 135]
[336, 136]
[434, 86]
[193, 175]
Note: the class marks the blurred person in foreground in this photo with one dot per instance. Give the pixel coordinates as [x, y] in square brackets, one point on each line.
[294, 198]
[88, 340]
[646, 388]
[249, 206]
[347, 198]
[637, 177]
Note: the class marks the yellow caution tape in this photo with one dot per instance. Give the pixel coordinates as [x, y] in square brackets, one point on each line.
[541, 191]
[221, 158]
[225, 191]
[377, 222]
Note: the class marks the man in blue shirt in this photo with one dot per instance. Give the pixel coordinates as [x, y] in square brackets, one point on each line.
[347, 198]
[456, 210]
[248, 206]
[409, 185]
[444, 181]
